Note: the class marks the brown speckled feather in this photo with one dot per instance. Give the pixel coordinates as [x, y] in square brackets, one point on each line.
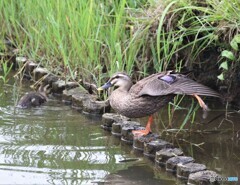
[150, 94]
[181, 85]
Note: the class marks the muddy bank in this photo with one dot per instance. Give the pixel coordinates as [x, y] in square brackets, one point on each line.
[205, 74]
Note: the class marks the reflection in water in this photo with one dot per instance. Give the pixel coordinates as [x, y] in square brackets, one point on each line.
[213, 143]
[54, 144]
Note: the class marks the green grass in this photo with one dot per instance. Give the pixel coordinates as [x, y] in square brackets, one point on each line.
[72, 35]
[94, 39]
[90, 37]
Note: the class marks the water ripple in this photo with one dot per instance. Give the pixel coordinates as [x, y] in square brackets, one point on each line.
[53, 144]
[30, 175]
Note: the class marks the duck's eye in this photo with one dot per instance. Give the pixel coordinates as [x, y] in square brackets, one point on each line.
[117, 76]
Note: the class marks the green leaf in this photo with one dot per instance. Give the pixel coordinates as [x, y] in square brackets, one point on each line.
[228, 54]
[235, 41]
[224, 65]
[237, 38]
[234, 44]
[220, 77]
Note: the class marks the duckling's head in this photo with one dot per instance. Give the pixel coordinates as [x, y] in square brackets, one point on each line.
[120, 80]
[44, 90]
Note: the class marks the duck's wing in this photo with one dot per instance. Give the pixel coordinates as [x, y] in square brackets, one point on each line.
[140, 85]
[163, 84]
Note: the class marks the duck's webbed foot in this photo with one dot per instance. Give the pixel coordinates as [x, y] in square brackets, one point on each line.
[146, 131]
[201, 103]
[139, 133]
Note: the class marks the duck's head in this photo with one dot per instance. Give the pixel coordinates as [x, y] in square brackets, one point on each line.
[119, 79]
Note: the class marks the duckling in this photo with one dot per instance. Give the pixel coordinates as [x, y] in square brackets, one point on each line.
[34, 99]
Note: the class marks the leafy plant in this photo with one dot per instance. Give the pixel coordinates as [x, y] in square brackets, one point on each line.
[229, 57]
[6, 70]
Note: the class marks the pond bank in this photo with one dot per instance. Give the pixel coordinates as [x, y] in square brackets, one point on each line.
[88, 102]
[89, 41]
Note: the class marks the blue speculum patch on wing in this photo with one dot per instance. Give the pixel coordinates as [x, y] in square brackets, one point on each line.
[168, 79]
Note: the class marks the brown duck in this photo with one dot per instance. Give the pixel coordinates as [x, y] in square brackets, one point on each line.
[34, 99]
[150, 94]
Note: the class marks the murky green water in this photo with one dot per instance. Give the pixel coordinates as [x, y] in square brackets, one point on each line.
[55, 144]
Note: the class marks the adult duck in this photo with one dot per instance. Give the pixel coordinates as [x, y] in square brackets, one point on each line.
[150, 94]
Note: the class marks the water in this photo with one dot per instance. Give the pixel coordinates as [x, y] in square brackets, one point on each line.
[55, 144]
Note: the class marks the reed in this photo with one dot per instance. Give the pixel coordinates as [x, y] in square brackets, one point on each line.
[88, 38]
[91, 40]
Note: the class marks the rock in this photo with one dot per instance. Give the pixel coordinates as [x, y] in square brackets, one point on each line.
[92, 106]
[204, 178]
[88, 103]
[127, 128]
[79, 98]
[184, 170]
[106, 128]
[21, 60]
[109, 118]
[152, 147]
[67, 94]
[171, 164]
[138, 142]
[163, 155]
[50, 79]
[90, 87]
[117, 128]
[60, 85]
[39, 72]
[29, 67]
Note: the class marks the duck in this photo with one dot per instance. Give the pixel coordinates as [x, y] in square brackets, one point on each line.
[152, 93]
[34, 98]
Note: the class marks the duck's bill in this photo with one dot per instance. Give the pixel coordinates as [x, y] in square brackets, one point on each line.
[105, 86]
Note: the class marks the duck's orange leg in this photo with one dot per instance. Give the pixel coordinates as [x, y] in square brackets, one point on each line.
[201, 102]
[147, 129]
